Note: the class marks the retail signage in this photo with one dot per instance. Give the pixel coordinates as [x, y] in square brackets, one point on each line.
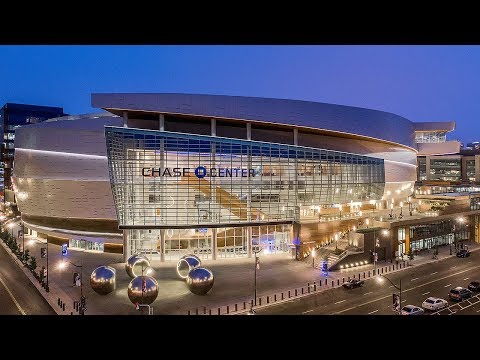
[200, 172]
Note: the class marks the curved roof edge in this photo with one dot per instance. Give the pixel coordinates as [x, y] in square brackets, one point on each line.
[375, 124]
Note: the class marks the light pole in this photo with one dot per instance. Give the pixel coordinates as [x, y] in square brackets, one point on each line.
[410, 205]
[399, 288]
[460, 220]
[336, 241]
[401, 208]
[257, 266]
[391, 209]
[313, 258]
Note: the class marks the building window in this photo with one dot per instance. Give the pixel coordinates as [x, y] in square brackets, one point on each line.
[401, 234]
[430, 136]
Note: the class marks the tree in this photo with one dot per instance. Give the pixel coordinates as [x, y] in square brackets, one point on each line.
[33, 263]
[26, 256]
[410, 254]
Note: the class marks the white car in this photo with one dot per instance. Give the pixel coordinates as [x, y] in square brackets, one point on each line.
[412, 310]
[434, 304]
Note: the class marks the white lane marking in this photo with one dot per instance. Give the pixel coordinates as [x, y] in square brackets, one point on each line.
[453, 267]
[415, 287]
[305, 312]
[414, 279]
[14, 300]
[373, 312]
[368, 293]
[434, 273]
[448, 285]
[338, 302]
[428, 292]
[466, 278]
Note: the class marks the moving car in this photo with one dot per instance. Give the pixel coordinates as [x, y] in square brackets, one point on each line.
[353, 283]
[459, 293]
[463, 253]
[434, 304]
[474, 286]
[412, 310]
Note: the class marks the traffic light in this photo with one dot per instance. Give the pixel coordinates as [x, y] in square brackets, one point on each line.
[396, 302]
[43, 252]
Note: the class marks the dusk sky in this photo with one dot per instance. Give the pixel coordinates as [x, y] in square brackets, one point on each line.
[421, 83]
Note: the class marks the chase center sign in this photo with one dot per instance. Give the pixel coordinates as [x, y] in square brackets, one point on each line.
[200, 172]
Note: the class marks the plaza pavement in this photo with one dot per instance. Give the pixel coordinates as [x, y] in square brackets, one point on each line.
[234, 279]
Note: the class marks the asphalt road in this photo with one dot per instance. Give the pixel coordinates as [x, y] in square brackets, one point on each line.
[18, 296]
[375, 298]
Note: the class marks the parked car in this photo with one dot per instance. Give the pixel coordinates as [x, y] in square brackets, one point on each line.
[463, 253]
[434, 304]
[474, 286]
[459, 294]
[412, 310]
[353, 283]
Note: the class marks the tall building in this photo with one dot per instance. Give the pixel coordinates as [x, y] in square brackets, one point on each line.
[12, 117]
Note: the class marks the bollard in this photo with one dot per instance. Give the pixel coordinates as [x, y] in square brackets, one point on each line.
[338, 282]
[244, 305]
[58, 301]
[275, 298]
[354, 276]
[210, 312]
[368, 273]
[259, 301]
[71, 312]
[382, 270]
[228, 309]
[348, 278]
[236, 307]
[268, 299]
[320, 282]
[326, 282]
[314, 286]
[204, 311]
[282, 295]
[343, 280]
[364, 274]
[296, 292]
[308, 288]
[196, 311]
[188, 312]
[302, 290]
[333, 284]
[289, 294]
[63, 306]
[218, 310]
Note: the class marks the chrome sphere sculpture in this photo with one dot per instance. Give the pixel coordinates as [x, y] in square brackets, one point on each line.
[146, 297]
[134, 261]
[103, 280]
[185, 264]
[200, 280]
[191, 255]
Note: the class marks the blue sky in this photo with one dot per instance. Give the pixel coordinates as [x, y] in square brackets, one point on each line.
[421, 83]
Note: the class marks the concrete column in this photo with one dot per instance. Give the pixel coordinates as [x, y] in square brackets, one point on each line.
[214, 244]
[126, 248]
[249, 241]
[162, 245]
[427, 166]
[161, 123]
[125, 119]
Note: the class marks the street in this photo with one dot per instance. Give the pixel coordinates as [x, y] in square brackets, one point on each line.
[375, 298]
[18, 296]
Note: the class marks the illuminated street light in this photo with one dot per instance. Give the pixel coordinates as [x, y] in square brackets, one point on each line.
[313, 258]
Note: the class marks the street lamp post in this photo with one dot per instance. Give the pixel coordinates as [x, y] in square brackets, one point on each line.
[410, 205]
[401, 208]
[399, 288]
[313, 258]
[257, 266]
[336, 241]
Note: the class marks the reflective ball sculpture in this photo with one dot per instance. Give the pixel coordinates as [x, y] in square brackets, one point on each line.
[191, 255]
[149, 293]
[136, 261]
[103, 279]
[200, 280]
[185, 264]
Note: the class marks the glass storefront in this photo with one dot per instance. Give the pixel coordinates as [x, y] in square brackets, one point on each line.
[86, 245]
